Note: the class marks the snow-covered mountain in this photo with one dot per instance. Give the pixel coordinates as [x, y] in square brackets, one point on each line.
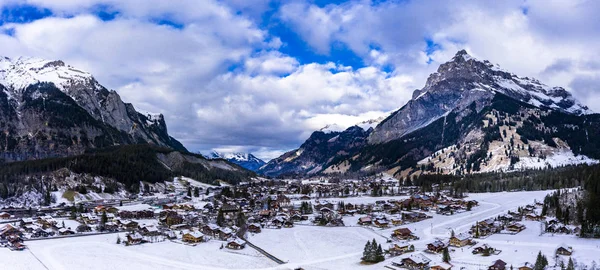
[246, 160]
[471, 116]
[462, 81]
[50, 109]
[324, 147]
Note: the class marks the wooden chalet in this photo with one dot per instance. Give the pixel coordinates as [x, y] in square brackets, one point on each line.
[403, 233]
[563, 249]
[193, 237]
[498, 265]
[236, 244]
[460, 240]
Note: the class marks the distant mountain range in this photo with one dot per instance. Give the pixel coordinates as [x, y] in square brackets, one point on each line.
[245, 160]
[470, 117]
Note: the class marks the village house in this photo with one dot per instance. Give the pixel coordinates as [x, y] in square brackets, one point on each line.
[498, 265]
[254, 228]
[403, 234]
[563, 249]
[236, 244]
[365, 220]
[396, 249]
[515, 227]
[134, 238]
[436, 246]
[414, 261]
[5, 215]
[381, 223]
[460, 240]
[193, 237]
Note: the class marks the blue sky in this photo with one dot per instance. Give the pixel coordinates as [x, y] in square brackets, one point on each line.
[260, 76]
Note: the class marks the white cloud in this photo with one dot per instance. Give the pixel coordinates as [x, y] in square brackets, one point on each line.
[271, 101]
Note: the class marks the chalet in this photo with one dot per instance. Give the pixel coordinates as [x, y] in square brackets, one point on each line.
[210, 229]
[403, 233]
[498, 265]
[436, 246]
[400, 248]
[484, 249]
[381, 223]
[414, 261]
[150, 231]
[460, 240]
[564, 250]
[365, 220]
[193, 237]
[225, 233]
[89, 218]
[129, 224]
[515, 227]
[134, 238]
[254, 228]
[441, 266]
[236, 244]
[397, 221]
[8, 230]
[111, 226]
[4, 215]
[170, 217]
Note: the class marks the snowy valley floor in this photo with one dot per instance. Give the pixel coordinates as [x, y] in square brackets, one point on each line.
[309, 247]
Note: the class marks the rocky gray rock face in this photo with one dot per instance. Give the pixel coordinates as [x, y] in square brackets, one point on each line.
[465, 80]
[467, 102]
[49, 109]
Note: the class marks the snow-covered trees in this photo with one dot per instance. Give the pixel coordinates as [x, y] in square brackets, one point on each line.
[373, 253]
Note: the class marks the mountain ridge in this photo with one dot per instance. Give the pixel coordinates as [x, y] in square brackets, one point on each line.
[52, 109]
[485, 118]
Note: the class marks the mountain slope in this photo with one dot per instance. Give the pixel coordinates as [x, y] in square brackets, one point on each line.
[474, 117]
[49, 109]
[319, 150]
[129, 165]
[245, 160]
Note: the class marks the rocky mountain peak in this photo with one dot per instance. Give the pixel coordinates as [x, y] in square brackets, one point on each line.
[68, 110]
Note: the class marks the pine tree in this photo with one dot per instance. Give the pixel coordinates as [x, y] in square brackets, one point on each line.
[189, 192]
[445, 255]
[241, 220]
[571, 265]
[379, 257]
[196, 192]
[118, 240]
[220, 218]
[367, 252]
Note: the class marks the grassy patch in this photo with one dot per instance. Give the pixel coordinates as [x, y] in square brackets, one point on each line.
[69, 195]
